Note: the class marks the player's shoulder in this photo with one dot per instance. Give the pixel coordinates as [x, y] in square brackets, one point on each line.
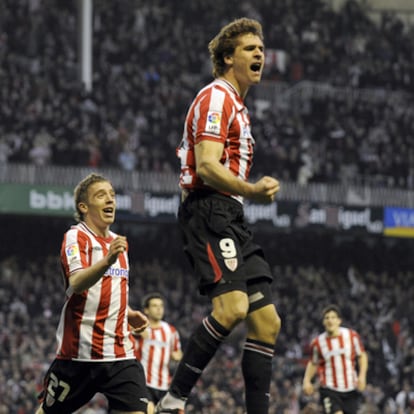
[112, 234]
[78, 228]
[215, 86]
[168, 325]
[73, 232]
[346, 330]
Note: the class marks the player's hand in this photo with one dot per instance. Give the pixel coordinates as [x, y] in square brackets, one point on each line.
[117, 246]
[361, 384]
[264, 190]
[138, 321]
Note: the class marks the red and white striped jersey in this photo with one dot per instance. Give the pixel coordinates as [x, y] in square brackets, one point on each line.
[217, 114]
[93, 324]
[154, 352]
[335, 357]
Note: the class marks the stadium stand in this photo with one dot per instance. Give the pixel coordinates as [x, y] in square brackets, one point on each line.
[338, 91]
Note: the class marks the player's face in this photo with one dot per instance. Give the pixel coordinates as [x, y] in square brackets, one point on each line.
[248, 60]
[100, 207]
[155, 309]
[331, 322]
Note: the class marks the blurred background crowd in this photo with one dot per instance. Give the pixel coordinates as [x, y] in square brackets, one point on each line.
[150, 58]
[310, 271]
[340, 111]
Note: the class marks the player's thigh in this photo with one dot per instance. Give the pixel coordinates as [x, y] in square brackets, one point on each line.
[149, 410]
[125, 387]
[263, 324]
[68, 386]
[331, 401]
[230, 308]
[351, 402]
[263, 321]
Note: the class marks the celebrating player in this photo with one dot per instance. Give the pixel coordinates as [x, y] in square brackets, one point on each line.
[95, 350]
[216, 155]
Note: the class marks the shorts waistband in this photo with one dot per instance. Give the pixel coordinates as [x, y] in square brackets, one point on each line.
[205, 193]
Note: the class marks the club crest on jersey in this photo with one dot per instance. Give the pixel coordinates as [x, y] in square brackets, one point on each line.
[49, 400]
[231, 264]
[213, 122]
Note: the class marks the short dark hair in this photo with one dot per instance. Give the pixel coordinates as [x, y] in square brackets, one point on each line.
[147, 298]
[225, 42]
[331, 308]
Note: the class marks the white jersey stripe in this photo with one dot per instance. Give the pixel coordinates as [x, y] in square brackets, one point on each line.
[155, 351]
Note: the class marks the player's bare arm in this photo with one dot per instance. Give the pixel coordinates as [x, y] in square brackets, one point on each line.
[362, 371]
[310, 372]
[213, 173]
[85, 278]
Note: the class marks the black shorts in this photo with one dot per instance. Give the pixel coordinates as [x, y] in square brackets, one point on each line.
[68, 385]
[219, 244]
[333, 401]
[156, 394]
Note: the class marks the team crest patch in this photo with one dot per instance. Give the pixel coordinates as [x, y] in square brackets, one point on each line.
[49, 400]
[231, 264]
[213, 122]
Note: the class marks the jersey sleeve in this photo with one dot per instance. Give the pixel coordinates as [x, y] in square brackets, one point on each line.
[212, 116]
[175, 339]
[357, 343]
[314, 352]
[74, 252]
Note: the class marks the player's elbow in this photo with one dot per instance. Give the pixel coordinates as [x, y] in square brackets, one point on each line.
[203, 170]
[77, 284]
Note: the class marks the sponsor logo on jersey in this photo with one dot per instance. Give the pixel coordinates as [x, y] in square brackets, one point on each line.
[213, 122]
[72, 250]
[117, 272]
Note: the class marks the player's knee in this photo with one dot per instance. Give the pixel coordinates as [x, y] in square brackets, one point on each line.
[40, 411]
[276, 326]
[269, 329]
[239, 313]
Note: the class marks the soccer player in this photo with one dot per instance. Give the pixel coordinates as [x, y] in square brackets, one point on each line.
[95, 348]
[334, 354]
[157, 346]
[216, 154]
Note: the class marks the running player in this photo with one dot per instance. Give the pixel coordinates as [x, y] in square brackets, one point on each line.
[334, 353]
[157, 347]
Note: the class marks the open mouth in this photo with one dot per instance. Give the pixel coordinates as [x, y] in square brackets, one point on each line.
[255, 67]
[108, 210]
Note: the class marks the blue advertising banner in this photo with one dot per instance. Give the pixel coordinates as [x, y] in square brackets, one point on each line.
[399, 222]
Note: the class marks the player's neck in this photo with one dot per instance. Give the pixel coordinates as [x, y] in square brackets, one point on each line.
[101, 231]
[232, 80]
[155, 324]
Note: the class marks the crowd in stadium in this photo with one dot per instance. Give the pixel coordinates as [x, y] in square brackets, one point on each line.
[149, 59]
[376, 302]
